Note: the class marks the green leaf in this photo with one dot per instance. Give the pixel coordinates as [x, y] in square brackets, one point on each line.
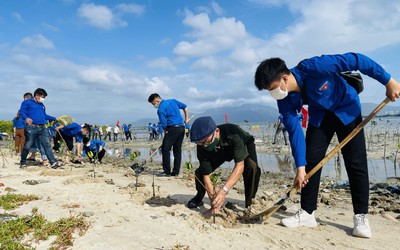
[215, 177]
[189, 165]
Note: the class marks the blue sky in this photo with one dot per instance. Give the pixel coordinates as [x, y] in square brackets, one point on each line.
[100, 60]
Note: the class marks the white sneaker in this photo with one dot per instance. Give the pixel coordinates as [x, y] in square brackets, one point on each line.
[361, 226]
[300, 219]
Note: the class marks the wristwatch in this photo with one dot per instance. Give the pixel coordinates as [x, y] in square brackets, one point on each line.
[225, 189]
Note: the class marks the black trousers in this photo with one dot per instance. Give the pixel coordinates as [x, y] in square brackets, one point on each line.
[354, 155]
[99, 156]
[173, 139]
[69, 140]
[251, 176]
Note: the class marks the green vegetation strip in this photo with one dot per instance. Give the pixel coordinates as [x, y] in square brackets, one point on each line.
[11, 201]
[20, 233]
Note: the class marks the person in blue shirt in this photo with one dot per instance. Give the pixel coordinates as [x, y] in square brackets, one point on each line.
[94, 146]
[127, 131]
[334, 107]
[171, 122]
[34, 113]
[150, 130]
[19, 133]
[68, 133]
[280, 127]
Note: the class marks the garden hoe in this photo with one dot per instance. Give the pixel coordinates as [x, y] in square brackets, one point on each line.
[137, 169]
[270, 211]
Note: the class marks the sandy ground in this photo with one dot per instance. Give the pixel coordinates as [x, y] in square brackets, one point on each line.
[125, 217]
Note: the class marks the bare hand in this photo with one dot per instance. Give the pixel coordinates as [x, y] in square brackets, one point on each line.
[300, 180]
[393, 90]
[219, 199]
[28, 121]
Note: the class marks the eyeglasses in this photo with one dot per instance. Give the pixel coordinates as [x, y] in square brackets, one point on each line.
[206, 141]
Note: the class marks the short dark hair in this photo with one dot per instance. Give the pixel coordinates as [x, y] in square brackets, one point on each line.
[268, 71]
[28, 95]
[153, 96]
[85, 140]
[87, 127]
[40, 91]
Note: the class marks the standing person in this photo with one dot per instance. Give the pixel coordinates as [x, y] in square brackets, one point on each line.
[127, 131]
[174, 126]
[280, 127]
[116, 132]
[34, 148]
[108, 133]
[68, 133]
[94, 146]
[34, 113]
[100, 132]
[150, 130]
[216, 145]
[19, 133]
[334, 107]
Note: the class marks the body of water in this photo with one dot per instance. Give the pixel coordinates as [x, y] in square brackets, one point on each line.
[379, 169]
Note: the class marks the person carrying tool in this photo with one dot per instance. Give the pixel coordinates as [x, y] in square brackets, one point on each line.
[172, 123]
[67, 134]
[280, 127]
[334, 107]
[216, 145]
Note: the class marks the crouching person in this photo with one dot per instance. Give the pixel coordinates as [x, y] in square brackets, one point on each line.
[96, 147]
[215, 145]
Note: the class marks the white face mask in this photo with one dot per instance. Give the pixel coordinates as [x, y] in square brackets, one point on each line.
[41, 100]
[278, 93]
[88, 144]
[156, 105]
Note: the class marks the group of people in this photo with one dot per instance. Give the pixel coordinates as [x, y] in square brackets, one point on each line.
[333, 107]
[32, 132]
[126, 129]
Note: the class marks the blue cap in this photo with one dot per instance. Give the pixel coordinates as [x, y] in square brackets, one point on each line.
[201, 128]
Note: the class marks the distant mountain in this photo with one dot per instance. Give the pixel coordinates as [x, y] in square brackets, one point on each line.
[390, 109]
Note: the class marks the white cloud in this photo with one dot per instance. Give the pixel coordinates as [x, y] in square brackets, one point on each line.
[99, 16]
[156, 85]
[103, 17]
[101, 76]
[131, 8]
[37, 41]
[163, 63]
[210, 37]
[18, 16]
[217, 8]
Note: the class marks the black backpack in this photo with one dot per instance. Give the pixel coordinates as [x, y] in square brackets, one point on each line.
[353, 79]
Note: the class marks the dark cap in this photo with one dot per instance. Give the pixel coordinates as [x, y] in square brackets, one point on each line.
[201, 128]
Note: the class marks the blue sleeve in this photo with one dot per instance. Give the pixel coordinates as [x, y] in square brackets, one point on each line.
[293, 127]
[181, 105]
[50, 118]
[162, 118]
[327, 64]
[23, 110]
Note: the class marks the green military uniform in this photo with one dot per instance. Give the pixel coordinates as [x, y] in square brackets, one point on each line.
[234, 144]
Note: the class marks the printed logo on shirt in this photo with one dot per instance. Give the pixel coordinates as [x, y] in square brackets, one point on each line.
[324, 86]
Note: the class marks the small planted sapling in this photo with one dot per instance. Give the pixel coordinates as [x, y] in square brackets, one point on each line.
[90, 154]
[215, 178]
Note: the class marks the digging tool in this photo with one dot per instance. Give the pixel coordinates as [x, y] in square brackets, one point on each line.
[138, 168]
[270, 211]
